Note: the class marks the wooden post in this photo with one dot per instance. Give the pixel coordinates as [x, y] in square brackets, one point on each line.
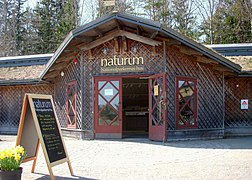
[36, 157]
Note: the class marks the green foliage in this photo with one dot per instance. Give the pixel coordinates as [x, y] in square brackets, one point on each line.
[231, 23]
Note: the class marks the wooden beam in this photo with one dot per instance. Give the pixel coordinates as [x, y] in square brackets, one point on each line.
[139, 30]
[125, 44]
[153, 35]
[52, 74]
[142, 39]
[119, 24]
[205, 60]
[222, 68]
[99, 32]
[129, 35]
[229, 74]
[116, 44]
[188, 51]
[62, 65]
[85, 38]
[90, 54]
[66, 58]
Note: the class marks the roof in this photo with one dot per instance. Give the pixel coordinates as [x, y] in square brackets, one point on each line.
[244, 61]
[22, 69]
[28, 60]
[241, 49]
[95, 29]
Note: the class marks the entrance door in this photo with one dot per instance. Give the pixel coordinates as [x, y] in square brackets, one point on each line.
[157, 107]
[108, 107]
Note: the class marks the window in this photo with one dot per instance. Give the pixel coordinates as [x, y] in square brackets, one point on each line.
[71, 104]
[186, 98]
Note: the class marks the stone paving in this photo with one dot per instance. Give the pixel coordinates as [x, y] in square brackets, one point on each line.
[143, 159]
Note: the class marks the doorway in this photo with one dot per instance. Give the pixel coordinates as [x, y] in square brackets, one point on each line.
[135, 100]
[130, 106]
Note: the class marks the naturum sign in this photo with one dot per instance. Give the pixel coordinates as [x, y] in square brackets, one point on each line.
[122, 64]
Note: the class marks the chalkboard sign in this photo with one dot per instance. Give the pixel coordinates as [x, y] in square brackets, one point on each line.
[39, 125]
[49, 129]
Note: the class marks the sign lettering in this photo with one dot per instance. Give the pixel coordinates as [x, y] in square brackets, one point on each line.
[122, 64]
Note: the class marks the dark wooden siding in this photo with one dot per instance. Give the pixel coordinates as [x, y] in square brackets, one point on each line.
[153, 64]
[71, 73]
[210, 89]
[176, 64]
[11, 101]
[235, 90]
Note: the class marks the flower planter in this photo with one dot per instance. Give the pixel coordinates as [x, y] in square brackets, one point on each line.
[11, 175]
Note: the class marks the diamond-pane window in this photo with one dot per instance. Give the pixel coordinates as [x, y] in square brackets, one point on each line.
[186, 97]
[71, 105]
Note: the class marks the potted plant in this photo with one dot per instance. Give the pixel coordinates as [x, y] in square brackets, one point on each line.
[10, 160]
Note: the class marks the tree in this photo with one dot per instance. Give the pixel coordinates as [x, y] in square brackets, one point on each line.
[67, 19]
[159, 11]
[183, 17]
[231, 22]
[11, 26]
[56, 18]
[206, 10]
[120, 6]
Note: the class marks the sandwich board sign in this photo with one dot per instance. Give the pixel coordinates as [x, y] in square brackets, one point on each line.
[39, 126]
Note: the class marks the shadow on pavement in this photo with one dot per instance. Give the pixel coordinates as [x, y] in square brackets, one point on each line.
[46, 177]
[227, 143]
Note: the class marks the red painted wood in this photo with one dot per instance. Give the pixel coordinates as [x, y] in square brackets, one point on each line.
[158, 122]
[105, 126]
[193, 108]
[71, 105]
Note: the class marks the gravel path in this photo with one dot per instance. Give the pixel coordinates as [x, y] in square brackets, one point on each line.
[144, 159]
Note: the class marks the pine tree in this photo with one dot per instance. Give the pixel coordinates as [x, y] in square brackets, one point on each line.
[11, 29]
[56, 18]
[183, 17]
[231, 22]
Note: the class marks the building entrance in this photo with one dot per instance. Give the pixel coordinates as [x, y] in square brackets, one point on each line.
[135, 107]
[130, 107]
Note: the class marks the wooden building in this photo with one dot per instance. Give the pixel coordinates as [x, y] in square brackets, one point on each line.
[19, 75]
[124, 76]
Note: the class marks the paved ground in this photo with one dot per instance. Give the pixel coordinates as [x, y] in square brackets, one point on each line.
[144, 159]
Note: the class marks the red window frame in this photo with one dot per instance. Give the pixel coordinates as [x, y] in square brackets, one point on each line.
[192, 107]
[71, 123]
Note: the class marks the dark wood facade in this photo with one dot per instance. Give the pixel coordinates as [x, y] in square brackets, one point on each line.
[238, 121]
[202, 89]
[168, 59]
[11, 102]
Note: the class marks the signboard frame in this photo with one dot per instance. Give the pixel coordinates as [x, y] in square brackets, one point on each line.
[29, 114]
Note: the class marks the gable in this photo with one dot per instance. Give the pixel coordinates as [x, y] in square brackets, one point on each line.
[121, 25]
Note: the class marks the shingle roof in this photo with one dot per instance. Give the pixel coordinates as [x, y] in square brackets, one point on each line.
[244, 61]
[22, 69]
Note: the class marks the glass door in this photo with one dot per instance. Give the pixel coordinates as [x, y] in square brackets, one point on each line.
[108, 107]
[157, 107]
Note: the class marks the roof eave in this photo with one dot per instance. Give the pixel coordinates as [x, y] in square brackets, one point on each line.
[22, 82]
[146, 23]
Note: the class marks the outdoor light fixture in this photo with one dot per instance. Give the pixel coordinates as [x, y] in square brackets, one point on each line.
[62, 73]
[134, 48]
[105, 51]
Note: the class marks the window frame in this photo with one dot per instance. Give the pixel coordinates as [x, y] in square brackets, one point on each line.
[68, 125]
[195, 105]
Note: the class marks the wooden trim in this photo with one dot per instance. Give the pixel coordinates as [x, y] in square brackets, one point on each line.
[72, 83]
[117, 33]
[195, 105]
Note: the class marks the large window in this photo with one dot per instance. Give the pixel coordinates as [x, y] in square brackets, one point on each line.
[186, 98]
[71, 104]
